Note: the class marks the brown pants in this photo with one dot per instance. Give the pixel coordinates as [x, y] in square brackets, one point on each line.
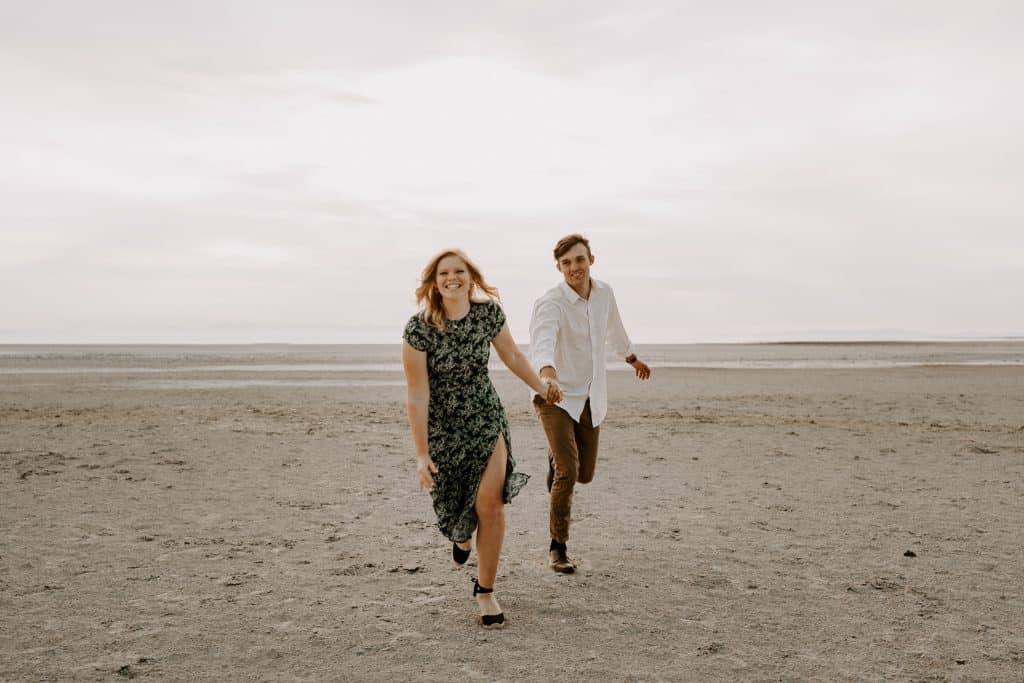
[572, 456]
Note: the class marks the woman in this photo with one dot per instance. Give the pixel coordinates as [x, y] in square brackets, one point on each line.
[459, 427]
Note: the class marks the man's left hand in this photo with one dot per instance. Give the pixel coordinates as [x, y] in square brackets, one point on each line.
[642, 371]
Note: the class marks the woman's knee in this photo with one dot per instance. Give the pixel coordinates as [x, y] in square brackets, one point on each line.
[490, 508]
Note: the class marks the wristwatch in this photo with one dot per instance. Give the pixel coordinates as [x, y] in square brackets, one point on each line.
[631, 358]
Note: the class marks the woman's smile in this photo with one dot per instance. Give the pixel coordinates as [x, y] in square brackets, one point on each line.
[453, 277]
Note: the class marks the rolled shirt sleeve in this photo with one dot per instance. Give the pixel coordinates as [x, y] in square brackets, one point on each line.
[617, 338]
[543, 334]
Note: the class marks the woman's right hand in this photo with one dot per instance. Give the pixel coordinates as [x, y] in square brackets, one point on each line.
[425, 471]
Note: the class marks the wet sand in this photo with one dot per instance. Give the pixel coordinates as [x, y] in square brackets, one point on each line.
[743, 525]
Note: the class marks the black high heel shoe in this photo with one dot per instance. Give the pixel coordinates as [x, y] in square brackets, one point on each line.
[459, 556]
[488, 620]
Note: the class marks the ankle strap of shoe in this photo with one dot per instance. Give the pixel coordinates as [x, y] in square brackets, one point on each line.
[477, 588]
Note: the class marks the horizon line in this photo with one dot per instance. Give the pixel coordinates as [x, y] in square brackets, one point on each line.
[810, 340]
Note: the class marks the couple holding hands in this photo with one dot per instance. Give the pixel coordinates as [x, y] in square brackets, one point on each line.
[459, 427]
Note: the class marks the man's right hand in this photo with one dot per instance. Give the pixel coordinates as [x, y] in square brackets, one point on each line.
[554, 394]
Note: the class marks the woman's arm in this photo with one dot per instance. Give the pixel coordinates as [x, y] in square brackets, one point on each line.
[520, 366]
[418, 404]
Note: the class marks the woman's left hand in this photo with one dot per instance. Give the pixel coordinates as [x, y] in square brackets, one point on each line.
[554, 393]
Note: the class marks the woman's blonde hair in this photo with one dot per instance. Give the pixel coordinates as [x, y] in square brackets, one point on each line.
[429, 297]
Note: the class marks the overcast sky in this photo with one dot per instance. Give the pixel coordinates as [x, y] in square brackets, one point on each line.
[281, 172]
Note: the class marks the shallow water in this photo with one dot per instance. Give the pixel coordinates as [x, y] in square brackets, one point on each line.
[386, 358]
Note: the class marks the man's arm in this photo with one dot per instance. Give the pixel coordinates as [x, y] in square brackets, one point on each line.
[619, 340]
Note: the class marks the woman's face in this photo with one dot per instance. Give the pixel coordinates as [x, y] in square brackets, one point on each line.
[453, 279]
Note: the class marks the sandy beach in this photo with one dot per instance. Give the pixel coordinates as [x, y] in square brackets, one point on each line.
[744, 524]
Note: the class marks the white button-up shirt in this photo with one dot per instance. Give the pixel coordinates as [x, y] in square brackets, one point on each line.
[570, 334]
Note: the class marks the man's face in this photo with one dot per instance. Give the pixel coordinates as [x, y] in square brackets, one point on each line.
[574, 265]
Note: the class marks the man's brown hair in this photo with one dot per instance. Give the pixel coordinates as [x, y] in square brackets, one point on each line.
[570, 241]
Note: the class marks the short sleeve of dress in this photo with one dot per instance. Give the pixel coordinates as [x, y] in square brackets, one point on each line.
[416, 333]
[497, 320]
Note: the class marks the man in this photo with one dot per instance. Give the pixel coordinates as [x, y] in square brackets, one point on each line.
[571, 325]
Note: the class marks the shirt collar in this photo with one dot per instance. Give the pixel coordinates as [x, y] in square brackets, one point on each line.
[570, 294]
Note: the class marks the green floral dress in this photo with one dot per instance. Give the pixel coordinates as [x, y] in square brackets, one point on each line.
[465, 414]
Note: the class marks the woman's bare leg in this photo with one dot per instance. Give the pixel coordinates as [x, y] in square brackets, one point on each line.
[490, 533]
